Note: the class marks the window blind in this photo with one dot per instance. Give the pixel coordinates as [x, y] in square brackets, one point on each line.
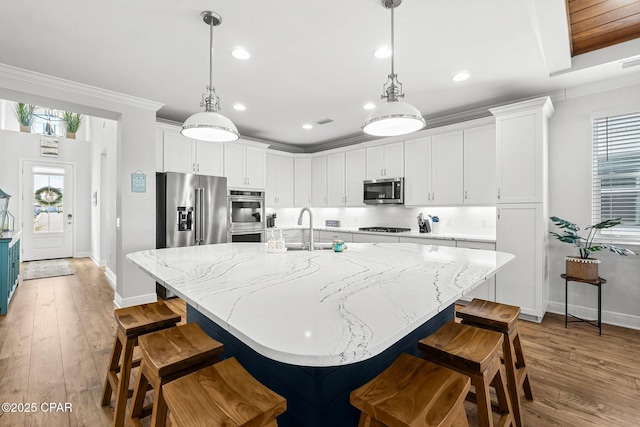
[616, 173]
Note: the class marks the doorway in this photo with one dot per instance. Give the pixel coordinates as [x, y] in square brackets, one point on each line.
[47, 210]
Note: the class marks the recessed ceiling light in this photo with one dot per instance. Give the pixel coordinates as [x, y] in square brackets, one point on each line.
[462, 75]
[240, 53]
[239, 107]
[382, 52]
[369, 106]
[306, 126]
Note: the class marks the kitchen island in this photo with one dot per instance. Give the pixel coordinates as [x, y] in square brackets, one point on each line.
[313, 326]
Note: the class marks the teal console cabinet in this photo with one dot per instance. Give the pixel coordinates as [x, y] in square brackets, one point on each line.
[9, 267]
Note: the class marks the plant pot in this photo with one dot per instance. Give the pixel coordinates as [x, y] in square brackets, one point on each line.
[24, 128]
[71, 135]
[585, 269]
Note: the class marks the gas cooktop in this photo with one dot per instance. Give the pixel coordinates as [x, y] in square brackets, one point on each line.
[385, 229]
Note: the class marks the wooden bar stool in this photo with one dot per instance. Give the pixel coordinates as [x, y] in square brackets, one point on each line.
[503, 318]
[224, 394]
[474, 352]
[132, 322]
[167, 355]
[413, 392]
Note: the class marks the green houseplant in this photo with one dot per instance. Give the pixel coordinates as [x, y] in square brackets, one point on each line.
[72, 122]
[24, 114]
[583, 266]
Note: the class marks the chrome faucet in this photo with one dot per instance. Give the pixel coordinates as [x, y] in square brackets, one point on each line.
[310, 225]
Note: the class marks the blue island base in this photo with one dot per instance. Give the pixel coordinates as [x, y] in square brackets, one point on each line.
[316, 396]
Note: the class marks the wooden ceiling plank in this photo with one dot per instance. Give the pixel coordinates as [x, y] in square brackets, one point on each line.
[578, 5]
[615, 37]
[606, 18]
[600, 30]
[606, 8]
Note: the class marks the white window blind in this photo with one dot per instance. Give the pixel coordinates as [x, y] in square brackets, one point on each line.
[616, 173]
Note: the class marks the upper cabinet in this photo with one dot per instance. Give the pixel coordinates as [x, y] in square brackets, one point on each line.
[385, 161]
[181, 154]
[319, 181]
[244, 164]
[279, 189]
[345, 175]
[434, 170]
[480, 165]
[302, 181]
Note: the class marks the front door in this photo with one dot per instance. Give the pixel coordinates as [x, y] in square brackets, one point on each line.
[47, 210]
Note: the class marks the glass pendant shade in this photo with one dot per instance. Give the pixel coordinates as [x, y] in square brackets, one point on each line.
[210, 126]
[393, 118]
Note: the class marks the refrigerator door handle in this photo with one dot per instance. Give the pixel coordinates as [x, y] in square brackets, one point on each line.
[201, 225]
[198, 219]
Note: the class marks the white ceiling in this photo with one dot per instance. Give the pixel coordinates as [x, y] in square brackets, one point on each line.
[310, 60]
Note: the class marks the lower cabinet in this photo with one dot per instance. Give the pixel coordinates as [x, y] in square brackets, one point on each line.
[374, 238]
[9, 267]
[486, 290]
[427, 241]
[330, 236]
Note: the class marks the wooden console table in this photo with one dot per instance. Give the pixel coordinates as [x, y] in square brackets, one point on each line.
[597, 283]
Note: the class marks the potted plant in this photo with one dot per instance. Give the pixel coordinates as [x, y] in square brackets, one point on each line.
[583, 266]
[72, 122]
[24, 114]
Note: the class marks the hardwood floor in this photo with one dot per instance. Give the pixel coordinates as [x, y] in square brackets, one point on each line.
[56, 341]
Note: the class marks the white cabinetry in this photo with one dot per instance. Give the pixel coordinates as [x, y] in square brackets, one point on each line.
[374, 238]
[244, 165]
[521, 226]
[302, 181]
[427, 241]
[330, 236]
[480, 165]
[279, 189]
[487, 289]
[345, 174]
[181, 154]
[434, 170]
[319, 181]
[385, 161]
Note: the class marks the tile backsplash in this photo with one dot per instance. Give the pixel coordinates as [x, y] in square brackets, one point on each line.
[479, 220]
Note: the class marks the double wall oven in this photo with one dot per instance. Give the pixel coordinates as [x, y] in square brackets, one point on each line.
[246, 216]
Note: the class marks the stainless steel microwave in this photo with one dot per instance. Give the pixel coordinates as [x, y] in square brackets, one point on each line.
[384, 191]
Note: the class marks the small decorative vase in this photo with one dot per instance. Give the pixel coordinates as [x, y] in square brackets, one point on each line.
[24, 128]
[71, 135]
[585, 269]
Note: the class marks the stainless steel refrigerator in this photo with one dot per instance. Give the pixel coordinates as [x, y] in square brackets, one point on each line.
[190, 210]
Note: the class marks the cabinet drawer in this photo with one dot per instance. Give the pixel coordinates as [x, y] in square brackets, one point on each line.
[423, 241]
[330, 236]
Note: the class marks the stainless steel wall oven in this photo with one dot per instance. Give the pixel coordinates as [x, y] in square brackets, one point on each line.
[246, 216]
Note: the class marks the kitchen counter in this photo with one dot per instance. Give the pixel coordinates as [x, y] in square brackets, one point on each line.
[313, 326]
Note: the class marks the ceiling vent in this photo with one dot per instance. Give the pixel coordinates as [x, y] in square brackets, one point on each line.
[324, 121]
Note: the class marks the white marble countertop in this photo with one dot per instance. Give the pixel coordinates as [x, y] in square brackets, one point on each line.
[489, 238]
[320, 308]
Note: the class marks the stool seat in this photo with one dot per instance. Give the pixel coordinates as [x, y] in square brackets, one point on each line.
[474, 352]
[413, 392]
[140, 319]
[491, 314]
[172, 350]
[224, 394]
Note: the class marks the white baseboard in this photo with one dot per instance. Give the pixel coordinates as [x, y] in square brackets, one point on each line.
[128, 302]
[82, 255]
[111, 278]
[608, 317]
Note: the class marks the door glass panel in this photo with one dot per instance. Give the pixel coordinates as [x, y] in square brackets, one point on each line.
[48, 203]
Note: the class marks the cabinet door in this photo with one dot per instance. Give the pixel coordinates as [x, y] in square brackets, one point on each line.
[319, 181]
[354, 177]
[394, 160]
[159, 150]
[255, 160]
[234, 165]
[284, 181]
[302, 181]
[447, 168]
[417, 179]
[519, 159]
[178, 153]
[487, 289]
[480, 166]
[519, 231]
[375, 162]
[374, 238]
[271, 190]
[330, 236]
[209, 158]
[335, 179]
[427, 241]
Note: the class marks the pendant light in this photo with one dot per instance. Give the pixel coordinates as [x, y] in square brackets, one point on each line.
[210, 125]
[393, 117]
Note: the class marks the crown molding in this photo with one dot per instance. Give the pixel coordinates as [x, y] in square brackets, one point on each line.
[36, 78]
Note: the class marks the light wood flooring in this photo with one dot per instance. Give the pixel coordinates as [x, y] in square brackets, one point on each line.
[56, 341]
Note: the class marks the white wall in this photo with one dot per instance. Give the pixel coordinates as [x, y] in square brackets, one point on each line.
[15, 147]
[570, 198]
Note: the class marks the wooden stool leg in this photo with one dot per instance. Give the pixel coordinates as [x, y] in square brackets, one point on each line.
[367, 421]
[504, 400]
[139, 393]
[483, 399]
[512, 381]
[522, 367]
[111, 376]
[159, 415]
[123, 383]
